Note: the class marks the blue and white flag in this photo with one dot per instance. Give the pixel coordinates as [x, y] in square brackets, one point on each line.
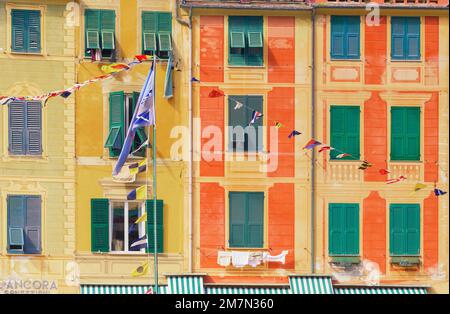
[144, 115]
[255, 116]
[140, 243]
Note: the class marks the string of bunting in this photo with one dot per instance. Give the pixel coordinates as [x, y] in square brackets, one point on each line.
[311, 144]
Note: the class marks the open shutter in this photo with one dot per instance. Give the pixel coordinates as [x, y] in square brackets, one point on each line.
[337, 36]
[412, 43]
[412, 133]
[398, 49]
[255, 219]
[99, 225]
[116, 134]
[397, 245]
[236, 38]
[16, 222]
[352, 141]
[254, 140]
[238, 216]
[17, 127]
[336, 223]
[92, 29]
[141, 136]
[337, 130]
[253, 31]
[108, 28]
[352, 37]
[164, 31]
[33, 225]
[34, 31]
[352, 229]
[412, 229]
[149, 31]
[159, 226]
[18, 29]
[34, 128]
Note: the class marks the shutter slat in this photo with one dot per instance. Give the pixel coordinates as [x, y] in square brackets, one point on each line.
[99, 225]
[237, 237]
[34, 31]
[18, 23]
[159, 226]
[17, 127]
[34, 128]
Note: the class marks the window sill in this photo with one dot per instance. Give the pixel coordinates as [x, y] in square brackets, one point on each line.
[345, 259]
[352, 60]
[25, 254]
[25, 158]
[27, 53]
[407, 161]
[246, 66]
[407, 61]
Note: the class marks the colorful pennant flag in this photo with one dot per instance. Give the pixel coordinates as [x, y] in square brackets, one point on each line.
[365, 164]
[193, 79]
[278, 125]
[140, 243]
[399, 179]
[325, 147]
[140, 270]
[238, 105]
[342, 155]
[438, 192]
[66, 94]
[216, 93]
[255, 116]
[141, 219]
[383, 171]
[311, 144]
[138, 194]
[419, 186]
[294, 133]
[143, 57]
[138, 167]
[114, 67]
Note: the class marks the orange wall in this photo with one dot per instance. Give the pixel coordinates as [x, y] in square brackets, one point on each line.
[431, 138]
[211, 114]
[211, 48]
[281, 222]
[375, 52]
[374, 229]
[431, 50]
[281, 43]
[430, 231]
[375, 137]
[281, 107]
[212, 223]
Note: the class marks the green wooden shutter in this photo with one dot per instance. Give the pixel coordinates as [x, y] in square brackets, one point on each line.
[405, 133]
[34, 128]
[254, 142]
[343, 229]
[238, 117]
[18, 29]
[412, 229]
[141, 136]
[236, 26]
[99, 225]
[26, 31]
[337, 37]
[255, 219]
[116, 134]
[345, 129]
[17, 127]
[352, 229]
[405, 38]
[254, 50]
[33, 225]
[404, 229]
[149, 31]
[159, 226]
[237, 219]
[16, 222]
[92, 28]
[34, 31]
[108, 28]
[397, 230]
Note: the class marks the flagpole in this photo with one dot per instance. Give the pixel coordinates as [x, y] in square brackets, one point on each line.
[155, 233]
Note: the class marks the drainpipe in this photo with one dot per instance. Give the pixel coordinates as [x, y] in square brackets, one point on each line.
[313, 134]
[190, 126]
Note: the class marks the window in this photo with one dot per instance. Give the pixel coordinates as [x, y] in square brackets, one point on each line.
[344, 131]
[345, 34]
[157, 33]
[24, 224]
[26, 31]
[25, 128]
[121, 109]
[246, 219]
[404, 229]
[113, 227]
[343, 229]
[243, 137]
[100, 28]
[405, 38]
[245, 40]
[405, 133]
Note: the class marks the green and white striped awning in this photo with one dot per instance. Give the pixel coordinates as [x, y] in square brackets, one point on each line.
[311, 284]
[115, 289]
[247, 290]
[380, 290]
[182, 284]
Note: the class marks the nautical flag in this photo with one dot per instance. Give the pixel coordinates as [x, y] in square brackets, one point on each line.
[311, 144]
[141, 270]
[438, 192]
[419, 186]
[239, 105]
[144, 115]
[115, 67]
[66, 94]
[342, 155]
[143, 57]
[365, 164]
[255, 116]
[195, 80]
[149, 291]
[278, 125]
[383, 171]
[138, 167]
[140, 243]
[138, 194]
[294, 133]
[399, 179]
[216, 93]
[141, 219]
[168, 84]
[324, 148]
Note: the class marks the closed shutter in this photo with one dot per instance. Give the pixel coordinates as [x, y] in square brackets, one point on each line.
[34, 128]
[17, 128]
[254, 142]
[116, 134]
[253, 32]
[405, 133]
[413, 38]
[345, 129]
[34, 32]
[404, 229]
[352, 37]
[343, 229]
[33, 225]
[337, 36]
[238, 117]
[397, 38]
[345, 37]
[352, 229]
[412, 225]
[26, 31]
[236, 38]
[159, 226]
[16, 219]
[255, 219]
[238, 219]
[18, 27]
[99, 225]
[397, 230]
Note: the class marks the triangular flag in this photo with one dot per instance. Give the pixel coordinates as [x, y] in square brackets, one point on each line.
[143, 57]
[66, 94]
[311, 144]
[140, 243]
[140, 270]
[215, 93]
[383, 171]
[325, 147]
[342, 155]
[419, 186]
[193, 79]
[294, 133]
[365, 164]
[399, 179]
[238, 105]
[138, 167]
[278, 125]
[438, 192]
[255, 116]
[141, 219]
[138, 194]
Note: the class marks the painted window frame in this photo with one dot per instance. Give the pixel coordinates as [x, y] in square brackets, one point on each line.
[246, 54]
[162, 54]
